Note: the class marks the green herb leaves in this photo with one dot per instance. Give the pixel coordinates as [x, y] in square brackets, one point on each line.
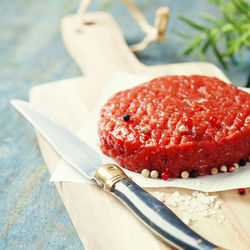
[227, 36]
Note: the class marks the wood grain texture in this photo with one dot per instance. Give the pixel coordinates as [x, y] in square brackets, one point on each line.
[32, 215]
[101, 221]
[96, 213]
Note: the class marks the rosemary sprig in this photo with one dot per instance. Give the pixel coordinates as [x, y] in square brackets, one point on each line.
[227, 36]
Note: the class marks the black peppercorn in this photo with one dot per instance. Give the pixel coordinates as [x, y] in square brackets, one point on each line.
[242, 162]
[126, 117]
[194, 173]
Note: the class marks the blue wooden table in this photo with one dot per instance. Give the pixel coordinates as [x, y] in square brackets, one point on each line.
[32, 215]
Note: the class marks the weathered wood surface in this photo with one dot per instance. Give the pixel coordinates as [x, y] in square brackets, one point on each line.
[32, 215]
[101, 221]
[93, 211]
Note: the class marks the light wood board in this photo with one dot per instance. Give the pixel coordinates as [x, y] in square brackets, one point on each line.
[101, 221]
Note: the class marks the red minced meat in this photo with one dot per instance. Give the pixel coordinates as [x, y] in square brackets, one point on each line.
[216, 115]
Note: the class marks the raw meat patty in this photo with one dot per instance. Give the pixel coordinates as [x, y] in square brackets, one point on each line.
[177, 123]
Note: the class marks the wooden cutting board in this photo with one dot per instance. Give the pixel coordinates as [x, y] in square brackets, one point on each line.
[101, 221]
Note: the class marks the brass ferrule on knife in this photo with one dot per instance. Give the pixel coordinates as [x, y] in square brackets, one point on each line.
[108, 175]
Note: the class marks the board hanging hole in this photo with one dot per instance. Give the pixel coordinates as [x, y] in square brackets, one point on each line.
[154, 33]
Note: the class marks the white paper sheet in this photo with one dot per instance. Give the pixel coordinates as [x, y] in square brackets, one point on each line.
[211, 183]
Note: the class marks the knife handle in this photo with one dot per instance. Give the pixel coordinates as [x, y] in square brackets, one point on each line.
[159, 218]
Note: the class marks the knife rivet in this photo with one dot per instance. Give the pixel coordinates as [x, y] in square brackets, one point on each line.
[199, 240]
[112, 168]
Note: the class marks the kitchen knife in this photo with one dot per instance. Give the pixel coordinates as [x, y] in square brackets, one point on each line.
[153, 213]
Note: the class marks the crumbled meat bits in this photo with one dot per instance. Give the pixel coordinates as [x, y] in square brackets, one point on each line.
[193, 206]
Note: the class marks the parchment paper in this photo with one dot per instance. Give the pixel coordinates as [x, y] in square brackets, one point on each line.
[211, 183]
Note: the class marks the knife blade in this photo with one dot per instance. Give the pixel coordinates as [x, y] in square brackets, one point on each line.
[153, 213]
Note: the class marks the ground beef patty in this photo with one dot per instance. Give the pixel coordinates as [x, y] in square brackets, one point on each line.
[177, 123]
